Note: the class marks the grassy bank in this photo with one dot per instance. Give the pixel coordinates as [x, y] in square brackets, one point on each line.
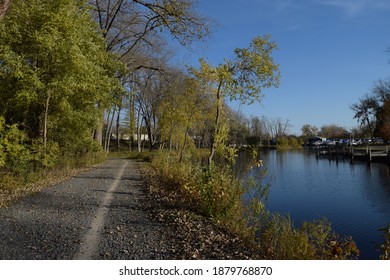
[237, 205]
[28, 180]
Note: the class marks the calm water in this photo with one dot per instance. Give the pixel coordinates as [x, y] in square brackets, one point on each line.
[354, 198]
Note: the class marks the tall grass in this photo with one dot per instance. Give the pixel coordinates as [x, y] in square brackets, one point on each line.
[385, 247]
[238, 206]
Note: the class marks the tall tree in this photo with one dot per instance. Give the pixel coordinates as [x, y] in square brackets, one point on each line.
[132, 29]
[371, 110]
[381, 92]
[243, 77]
[52, 71]
[127, 24]
[365, 111]
[309, 130]
[333, 131]
[183, 108]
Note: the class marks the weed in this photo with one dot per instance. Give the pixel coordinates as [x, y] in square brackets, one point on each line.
[385, 247]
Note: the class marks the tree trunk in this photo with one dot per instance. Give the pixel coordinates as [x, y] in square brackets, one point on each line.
[139, 130]
[370, 129]
[117, 128]
[131, 120]
[98, 135]
[109, 131]
[170, 140]
[46, 115]
[149, 131]
[213, 147]
[184, 145]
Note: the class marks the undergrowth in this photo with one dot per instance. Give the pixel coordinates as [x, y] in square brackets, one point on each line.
[238, 205]
[385, 247]
[27, 165]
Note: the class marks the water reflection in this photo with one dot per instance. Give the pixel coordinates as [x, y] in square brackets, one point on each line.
[354, 197]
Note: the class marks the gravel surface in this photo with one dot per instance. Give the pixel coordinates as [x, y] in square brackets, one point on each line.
[109, 213]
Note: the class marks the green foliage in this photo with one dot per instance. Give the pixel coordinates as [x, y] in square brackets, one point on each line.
[221, 137]
[254, 70]
[281, 240]
[2, 134]
[283, 142]
[244, 77]
[247, 74]
[212, 191]
[45, 157]
[289, 142]
[15, 155]
[183, 107]
[20, 156]
[52, 76]
[53, 73]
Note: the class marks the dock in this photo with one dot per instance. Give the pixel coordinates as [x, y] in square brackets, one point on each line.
[370, 153]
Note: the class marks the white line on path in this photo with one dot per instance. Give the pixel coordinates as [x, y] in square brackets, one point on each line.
[90, 244]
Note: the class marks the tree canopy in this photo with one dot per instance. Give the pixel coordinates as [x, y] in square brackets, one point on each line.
[244, 77]
[52, 71]
[372, 110]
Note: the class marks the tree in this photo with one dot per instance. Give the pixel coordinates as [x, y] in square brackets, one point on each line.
[276, 127]
[333, 131]
[127, 24]
[257, 131]
[383, 126]
[52, 71]
[132, 29]
[309, 130]
[243, 77]
[238, 127]
[371, 110]
[256, 126]
[365, 111]
[280, 127]
[183, 110]
[146, 97]
[381, 93]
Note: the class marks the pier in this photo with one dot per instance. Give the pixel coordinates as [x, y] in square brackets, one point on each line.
[370, 153]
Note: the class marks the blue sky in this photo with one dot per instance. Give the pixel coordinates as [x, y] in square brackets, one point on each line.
[330, 53]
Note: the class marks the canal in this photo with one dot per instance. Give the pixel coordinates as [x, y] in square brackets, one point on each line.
[354, 198]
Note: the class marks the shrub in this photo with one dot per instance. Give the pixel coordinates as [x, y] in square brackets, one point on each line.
[283, 142]
[212, 192]
[16, 156]
[23, 160]
[289, 142]
[45, 157]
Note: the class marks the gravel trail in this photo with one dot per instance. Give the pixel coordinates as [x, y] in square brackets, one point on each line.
[99, 214]
[109, 212]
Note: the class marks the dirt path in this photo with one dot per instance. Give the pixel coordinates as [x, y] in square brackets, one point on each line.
[90, 244]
